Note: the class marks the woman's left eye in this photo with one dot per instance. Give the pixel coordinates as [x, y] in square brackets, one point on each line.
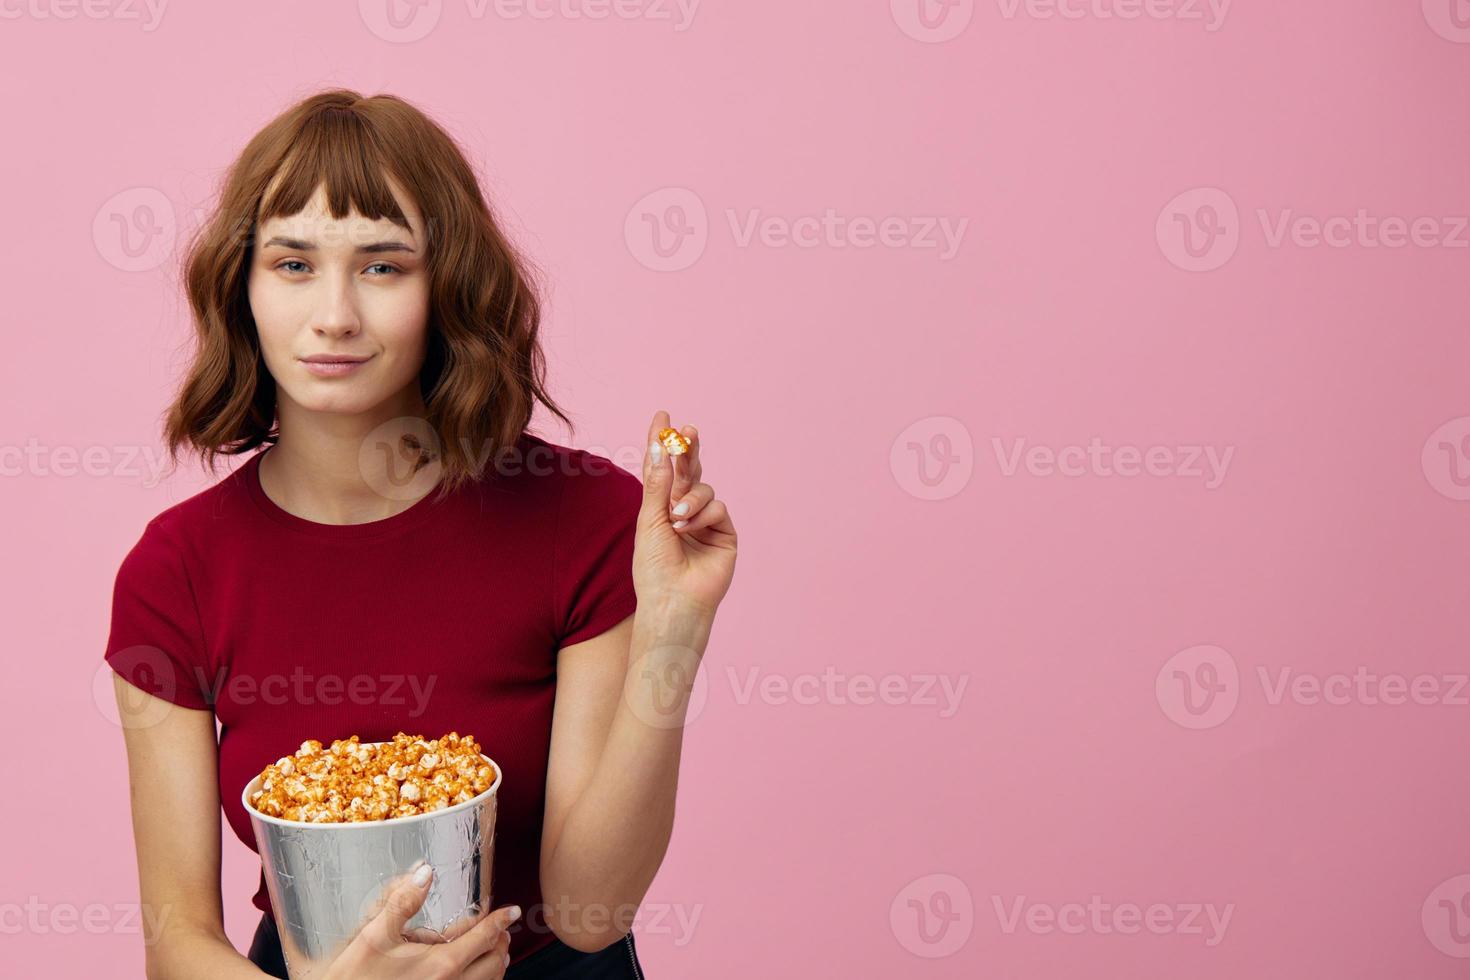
[385, 266]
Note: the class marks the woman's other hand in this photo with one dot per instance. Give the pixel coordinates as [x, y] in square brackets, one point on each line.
[684, 553]
[381, 951]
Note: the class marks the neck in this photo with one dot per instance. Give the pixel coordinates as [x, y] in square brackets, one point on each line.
[336, 468]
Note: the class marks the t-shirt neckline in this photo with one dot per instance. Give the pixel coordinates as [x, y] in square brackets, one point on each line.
[406, 518]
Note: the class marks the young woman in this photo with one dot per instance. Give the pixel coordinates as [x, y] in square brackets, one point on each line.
[398, 553]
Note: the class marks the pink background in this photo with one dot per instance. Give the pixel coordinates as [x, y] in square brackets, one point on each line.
[851, 399]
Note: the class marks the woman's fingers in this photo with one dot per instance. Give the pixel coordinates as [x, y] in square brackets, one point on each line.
[687, 468]
[673, 482]
[404, 898]
[449, 933]
[481, 939]
[658, 473]
[714, 517]
[492, 964]
[688, 506]
[660, 422]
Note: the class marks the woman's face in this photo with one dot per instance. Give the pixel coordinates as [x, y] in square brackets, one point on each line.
[323, 288]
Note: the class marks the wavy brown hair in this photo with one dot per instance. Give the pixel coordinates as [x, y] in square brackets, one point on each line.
[484, 370]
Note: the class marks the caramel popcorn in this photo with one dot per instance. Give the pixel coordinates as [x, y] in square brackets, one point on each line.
[673, 441]
[349, 782]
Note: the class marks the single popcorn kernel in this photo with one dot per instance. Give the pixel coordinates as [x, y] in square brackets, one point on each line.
[673, 441]
[351, 782]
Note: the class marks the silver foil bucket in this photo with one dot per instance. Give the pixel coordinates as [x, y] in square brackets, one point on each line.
[326, 879]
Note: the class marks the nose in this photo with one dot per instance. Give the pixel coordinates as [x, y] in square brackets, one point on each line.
[335, 315]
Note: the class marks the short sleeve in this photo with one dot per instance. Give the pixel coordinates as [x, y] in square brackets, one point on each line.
[155, 642]
[592, 575]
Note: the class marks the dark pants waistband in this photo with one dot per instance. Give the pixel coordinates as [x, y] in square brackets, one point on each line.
[557, 961]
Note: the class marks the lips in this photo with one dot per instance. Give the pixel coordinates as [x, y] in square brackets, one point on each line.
[333, 365]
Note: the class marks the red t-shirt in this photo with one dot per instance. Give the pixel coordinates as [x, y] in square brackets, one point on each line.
[445, 617]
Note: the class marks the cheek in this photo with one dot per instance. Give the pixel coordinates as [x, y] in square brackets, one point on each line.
[271, 318]
[270, 303]
[403, 324]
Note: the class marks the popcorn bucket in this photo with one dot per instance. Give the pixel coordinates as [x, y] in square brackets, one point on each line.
[325, 879]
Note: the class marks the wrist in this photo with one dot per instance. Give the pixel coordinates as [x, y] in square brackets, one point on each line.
[673, 618]
[673, 607]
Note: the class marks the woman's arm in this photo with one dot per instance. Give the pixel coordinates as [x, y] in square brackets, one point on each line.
[621, 700]
[172, 781]
[616, 736]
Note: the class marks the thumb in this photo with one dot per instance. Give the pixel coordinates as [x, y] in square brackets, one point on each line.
[658, 482]
[400, 904]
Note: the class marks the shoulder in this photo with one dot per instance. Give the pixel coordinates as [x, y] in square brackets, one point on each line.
[182, 529]
[583, 500]
[584, 482]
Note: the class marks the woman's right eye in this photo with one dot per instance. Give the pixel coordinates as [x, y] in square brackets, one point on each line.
[290, 262]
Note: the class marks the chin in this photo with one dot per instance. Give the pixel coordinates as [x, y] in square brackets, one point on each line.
[342, 402]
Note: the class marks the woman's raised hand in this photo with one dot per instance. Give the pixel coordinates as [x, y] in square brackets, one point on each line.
[481, 951]
[685, 547]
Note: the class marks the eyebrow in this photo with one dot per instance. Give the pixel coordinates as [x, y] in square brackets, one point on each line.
[298, 245]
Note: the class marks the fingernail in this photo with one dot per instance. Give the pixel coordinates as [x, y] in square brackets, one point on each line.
[655, 452]
[422, 875]
[682, 509]
[506, 957]
[514, 913]
[680, 523]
